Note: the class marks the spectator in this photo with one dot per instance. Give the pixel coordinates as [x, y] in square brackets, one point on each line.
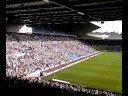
[52, 88]
[41, 52]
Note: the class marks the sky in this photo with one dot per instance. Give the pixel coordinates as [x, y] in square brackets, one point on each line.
[109, 26]
[25, 29]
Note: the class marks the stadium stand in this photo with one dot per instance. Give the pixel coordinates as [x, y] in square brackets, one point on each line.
[105, 45]
[36, 88]
[27, 53]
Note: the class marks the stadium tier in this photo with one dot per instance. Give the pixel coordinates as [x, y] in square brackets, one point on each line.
[48, 88]
[27, 53]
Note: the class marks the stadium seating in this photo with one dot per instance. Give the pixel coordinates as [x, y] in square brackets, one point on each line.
[48, 88]
[27, 53]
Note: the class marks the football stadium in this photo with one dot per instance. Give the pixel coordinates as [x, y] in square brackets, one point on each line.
[53, 48]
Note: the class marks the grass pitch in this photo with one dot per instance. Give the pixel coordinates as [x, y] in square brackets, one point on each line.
[103, 71]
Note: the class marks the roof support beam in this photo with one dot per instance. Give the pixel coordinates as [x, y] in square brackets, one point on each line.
[46, 13]
[69, 6]
[103, 9]
[99, 3]
[40, 10]
[20, 1]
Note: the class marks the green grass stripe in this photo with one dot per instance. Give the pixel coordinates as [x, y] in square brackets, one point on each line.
[103, 71]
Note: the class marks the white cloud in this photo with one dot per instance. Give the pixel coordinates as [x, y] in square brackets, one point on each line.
[109, 26]
[25, 29]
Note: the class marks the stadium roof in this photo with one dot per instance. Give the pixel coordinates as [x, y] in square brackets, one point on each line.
[62, 11]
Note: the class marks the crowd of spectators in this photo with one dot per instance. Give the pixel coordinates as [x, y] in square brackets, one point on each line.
[20, 86]
[41, 52]
[107, 48]
[54, 31]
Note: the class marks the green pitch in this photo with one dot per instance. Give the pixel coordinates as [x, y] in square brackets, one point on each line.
[103, 71]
